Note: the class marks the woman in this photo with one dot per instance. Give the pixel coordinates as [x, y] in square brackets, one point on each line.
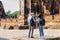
[41, 23]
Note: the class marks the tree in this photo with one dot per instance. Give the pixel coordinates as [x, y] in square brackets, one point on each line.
[13, 15]
[8, 13]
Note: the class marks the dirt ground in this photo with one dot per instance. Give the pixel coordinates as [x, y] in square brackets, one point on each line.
[23, 34]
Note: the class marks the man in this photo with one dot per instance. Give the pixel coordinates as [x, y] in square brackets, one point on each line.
[31, 24]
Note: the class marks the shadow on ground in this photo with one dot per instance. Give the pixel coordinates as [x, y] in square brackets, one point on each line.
[3, 39]
[53, 38]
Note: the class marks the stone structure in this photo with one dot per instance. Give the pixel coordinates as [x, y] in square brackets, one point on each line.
[21, 13]
[2, 12]
[21, 16]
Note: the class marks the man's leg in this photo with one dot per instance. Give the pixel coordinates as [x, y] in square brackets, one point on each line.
[32, 31]
[29, 31]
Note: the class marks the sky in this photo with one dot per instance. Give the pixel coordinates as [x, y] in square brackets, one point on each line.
[12, 5]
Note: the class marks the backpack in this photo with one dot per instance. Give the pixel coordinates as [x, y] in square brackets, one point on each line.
[32, 22]
[42, 22]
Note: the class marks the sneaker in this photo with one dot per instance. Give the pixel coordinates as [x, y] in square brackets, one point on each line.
[42, 37]
[32, 37]
[28, 36]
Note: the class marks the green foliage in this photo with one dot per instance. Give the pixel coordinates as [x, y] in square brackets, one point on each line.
[8, 13]
[12, 14]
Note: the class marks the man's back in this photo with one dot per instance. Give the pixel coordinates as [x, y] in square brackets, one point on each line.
[32, 21]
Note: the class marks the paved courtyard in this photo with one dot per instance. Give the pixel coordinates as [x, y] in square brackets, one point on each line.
[23, 34]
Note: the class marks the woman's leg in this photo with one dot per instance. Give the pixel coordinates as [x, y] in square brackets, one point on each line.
[41, 31]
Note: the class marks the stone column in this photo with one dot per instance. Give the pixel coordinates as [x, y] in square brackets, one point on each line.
[29, 4]
[21, 12]
[59, 8]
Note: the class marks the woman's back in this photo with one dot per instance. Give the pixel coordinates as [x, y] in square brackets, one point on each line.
[41, 21]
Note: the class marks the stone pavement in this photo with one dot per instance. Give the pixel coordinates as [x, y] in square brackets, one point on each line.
[23, 34]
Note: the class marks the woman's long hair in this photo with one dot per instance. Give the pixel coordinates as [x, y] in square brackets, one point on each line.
[40, 16]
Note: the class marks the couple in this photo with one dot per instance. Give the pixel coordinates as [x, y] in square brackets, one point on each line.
[32, 23]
